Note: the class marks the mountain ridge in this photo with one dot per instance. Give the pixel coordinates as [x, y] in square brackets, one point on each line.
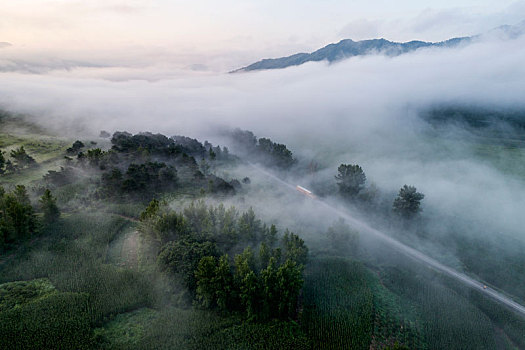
[347, 48]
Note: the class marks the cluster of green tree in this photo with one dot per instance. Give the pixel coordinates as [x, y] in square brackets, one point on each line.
[21, 160]
[76, 147]
[97, 158]
[17, 216]
[264, 150]
[150, 177]
[408, 201]
[216, 152]
[161, 145]
[260, 293]
[351, 180]
[145, 164]
[196, 245]
[64, 176]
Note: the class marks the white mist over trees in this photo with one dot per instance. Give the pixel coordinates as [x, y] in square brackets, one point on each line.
[364, 111]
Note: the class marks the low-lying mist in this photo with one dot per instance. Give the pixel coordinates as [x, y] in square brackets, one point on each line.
[362, 111]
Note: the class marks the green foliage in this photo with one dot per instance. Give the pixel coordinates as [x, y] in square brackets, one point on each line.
[55, 321]
[162, 224]
[224, 226]
[63, 177]
[126, 330]
[272, 293]
[351, 180]
[194, 329]
[151, 175]
[205, 275]
[49, 207]
[281, 286]
[193, 241]
[76, 147]
[151, 211]
[2, 162]
[407, 204]
[294, 248]
[289, 284]
[22, 159]
[338, 305]
[16, 294]
[183, 257]
[223, 282]
[248, 284]
[17, 219]
[140, 179]
[248, 225]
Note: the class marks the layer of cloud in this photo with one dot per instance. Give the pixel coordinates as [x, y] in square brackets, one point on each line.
[362, 110]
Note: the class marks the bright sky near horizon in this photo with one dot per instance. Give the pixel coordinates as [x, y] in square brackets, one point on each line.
[239, 27]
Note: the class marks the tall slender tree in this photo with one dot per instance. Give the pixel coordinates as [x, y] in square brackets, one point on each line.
[48, 203]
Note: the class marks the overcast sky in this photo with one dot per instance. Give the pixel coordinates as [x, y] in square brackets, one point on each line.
[234, 32]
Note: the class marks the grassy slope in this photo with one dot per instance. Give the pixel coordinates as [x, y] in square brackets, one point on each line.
[47, 150]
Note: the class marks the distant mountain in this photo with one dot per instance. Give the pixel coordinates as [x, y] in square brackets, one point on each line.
[4, 44]
[349, 48]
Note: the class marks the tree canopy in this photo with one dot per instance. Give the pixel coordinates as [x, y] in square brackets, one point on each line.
[407, 203]
[351, 180]
[49, 207]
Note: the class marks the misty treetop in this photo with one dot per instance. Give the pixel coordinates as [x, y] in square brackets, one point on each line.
[227, 227]
[343, 239]
[145, 165]
[161, 145]
[62, 177]
[263, 150]
[76, 147]
[351, 180]
[19, 160]
[407, 203]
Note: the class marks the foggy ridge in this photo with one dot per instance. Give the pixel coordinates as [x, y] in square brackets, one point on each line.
[347, 48]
